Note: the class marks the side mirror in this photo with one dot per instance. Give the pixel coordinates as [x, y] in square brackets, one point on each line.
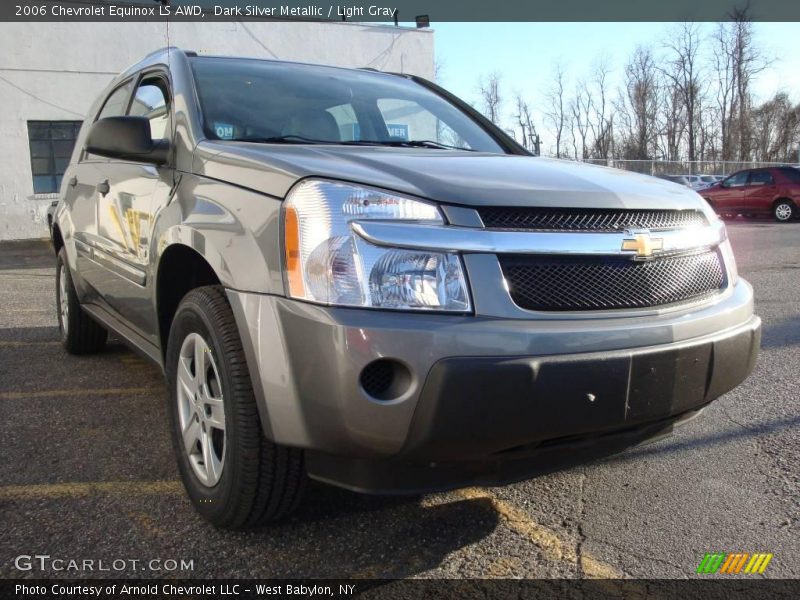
[126, 138]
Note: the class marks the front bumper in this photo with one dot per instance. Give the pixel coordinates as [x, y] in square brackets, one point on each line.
[488, 400]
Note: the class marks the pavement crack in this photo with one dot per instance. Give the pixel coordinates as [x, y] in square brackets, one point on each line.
[581, 515]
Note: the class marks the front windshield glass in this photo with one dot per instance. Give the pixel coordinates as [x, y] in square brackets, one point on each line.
[263, 101]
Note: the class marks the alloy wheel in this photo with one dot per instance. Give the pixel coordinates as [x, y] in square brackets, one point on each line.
[783, 212]
[63, 300]
[201, 410]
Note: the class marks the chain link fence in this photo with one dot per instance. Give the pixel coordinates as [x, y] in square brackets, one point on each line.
[676, 167]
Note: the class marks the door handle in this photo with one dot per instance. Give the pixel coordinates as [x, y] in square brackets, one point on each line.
[104, 188]
[73, 181]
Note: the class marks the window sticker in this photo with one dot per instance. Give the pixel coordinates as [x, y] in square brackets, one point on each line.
[223, 131]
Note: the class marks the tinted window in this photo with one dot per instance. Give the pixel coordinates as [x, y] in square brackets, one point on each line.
[250, 99]
[737, 179]
[792, 175]
[761, 178]
[51, 144]
[151, 101]
[117, 102]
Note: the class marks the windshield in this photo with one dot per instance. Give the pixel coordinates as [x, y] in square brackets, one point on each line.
[264, 101]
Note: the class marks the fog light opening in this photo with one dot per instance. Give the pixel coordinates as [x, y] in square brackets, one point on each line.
[385, 379]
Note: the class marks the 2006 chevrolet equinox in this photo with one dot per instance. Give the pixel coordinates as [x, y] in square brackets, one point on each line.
[354, 276]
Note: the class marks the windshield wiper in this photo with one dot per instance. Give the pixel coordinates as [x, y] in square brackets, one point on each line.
[298, 139]
[280, 139]
[407, 144]
[432, 144]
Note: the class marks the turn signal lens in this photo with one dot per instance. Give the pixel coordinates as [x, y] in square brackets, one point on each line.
[291, 237]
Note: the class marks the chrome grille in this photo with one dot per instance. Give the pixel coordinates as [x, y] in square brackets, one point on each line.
[563, 283]
[587, 219]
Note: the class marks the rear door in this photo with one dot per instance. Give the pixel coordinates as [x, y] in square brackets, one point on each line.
[126, 204]
[759, 191]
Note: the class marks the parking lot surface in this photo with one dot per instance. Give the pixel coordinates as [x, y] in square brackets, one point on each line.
[87, 471]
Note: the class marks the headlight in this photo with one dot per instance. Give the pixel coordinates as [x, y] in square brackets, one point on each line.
[326, 262]
[730, 262]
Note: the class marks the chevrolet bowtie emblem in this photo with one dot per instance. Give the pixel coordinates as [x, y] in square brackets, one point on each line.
[643, 244]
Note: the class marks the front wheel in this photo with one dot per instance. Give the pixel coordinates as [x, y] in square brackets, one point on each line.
[783, 211]
[235, 477]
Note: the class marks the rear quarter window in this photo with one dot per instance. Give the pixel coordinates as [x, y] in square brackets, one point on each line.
[791, 175]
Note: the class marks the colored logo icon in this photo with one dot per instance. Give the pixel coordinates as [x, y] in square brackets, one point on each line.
[734, 563]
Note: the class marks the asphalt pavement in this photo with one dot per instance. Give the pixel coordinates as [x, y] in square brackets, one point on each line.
[87, 471]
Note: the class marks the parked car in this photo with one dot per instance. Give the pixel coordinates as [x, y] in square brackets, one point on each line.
[694, 181]
[354, 276]
[706, 181]
[770, 191]
[679, 179]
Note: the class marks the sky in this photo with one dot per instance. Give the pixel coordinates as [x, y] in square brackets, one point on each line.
[525, 55]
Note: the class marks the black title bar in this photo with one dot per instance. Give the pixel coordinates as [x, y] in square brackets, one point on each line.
[697, 587]
[390, 11]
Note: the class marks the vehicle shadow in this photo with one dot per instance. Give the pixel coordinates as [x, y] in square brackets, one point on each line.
[785, 332]
[337, 533]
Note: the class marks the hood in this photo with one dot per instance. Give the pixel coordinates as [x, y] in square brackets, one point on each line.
[452, 177]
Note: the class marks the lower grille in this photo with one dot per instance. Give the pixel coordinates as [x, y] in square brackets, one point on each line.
[604, 283]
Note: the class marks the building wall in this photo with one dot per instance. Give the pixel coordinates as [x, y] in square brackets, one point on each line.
[54, 71]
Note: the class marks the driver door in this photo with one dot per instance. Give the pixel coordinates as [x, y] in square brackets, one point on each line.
[731, 195]
[126, 204]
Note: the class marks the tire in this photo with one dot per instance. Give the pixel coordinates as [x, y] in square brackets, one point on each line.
[235, 477]
[783, 211]
[80, 334]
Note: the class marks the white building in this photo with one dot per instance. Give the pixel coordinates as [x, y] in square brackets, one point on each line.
[50, 73]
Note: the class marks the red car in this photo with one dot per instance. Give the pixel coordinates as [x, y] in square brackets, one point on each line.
[774, 191]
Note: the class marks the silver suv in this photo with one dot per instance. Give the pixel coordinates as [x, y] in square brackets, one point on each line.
[354, 276]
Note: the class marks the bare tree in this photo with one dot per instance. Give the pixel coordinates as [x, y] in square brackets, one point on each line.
[725, 80]
[672, 122]
[491, 99]
[601, 122]
[639, 105]
[580, 109]
[692, 100]
[684, 72]
[557, 111]
[776, 126]
[747, 62]
[525, 122]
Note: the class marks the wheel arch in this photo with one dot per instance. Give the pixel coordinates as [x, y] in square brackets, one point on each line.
[783, 199]
[180, 269]
[58, 239]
